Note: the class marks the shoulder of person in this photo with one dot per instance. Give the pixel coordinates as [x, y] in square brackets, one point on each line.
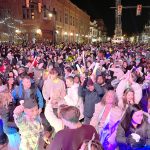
[117, 109]
[116, 113]
[61, 81]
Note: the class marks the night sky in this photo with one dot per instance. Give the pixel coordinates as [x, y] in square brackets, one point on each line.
[131, 23]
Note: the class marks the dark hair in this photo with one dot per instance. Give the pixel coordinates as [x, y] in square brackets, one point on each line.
[54, 70]
[70, 113]
[68, 69]
[127, 118]
[100, 76]
[26, 77]
[77, 76]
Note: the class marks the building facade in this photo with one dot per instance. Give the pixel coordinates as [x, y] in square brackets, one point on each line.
[53, 20]
[72, 24]
[97, 31]
[146, 33]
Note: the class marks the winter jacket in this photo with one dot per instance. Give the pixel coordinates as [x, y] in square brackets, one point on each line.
[125, 137]
[54, 91]
[91, 98]
[18, 95]
[73, 99]
[122, 86]
[115, 115]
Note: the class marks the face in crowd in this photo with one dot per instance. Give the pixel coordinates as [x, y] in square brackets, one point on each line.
[76, 80]
[100, 80]
[26, 83]
[130, 97]
[69, 82]
[31, 113]
[137, 117]
[53, 74]
[90, 88]
[110, 97]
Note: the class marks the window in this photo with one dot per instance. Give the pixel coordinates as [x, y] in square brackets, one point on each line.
[44, 11]
[66, 18]
[32, 12]
[70, 20]
[56, 15]
[24, 12]
[73, 21]
[28, 13]
[32, 15]
[60, 19]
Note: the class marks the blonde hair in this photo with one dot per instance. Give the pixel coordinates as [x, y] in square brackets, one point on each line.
[103, 101]
[5, 98]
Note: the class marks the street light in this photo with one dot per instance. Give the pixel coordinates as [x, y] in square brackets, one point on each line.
[50, 15]
[39, 31]
[65, 33]
[71, 34]
[17, 31]
[57, 31]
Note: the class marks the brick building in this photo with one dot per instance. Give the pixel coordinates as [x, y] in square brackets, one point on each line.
[53, 20]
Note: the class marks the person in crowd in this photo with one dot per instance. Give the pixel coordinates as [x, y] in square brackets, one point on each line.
[100, 79]
[28, 121]
[27, 90]
[91, 144]
[68, 72]
[17, 60]
[3, 137]
[92, 94]
[133, 132]
[11, 83]
[76, 80]
[38, 72]
[54, 89]
[128, 83]
[72, 98]
[106, 118]
[9, 127]
[125, 67]
[145, 101]
[53, 118]
[72, 137]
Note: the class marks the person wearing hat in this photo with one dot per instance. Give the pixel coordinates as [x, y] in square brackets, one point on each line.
[27, 119]
[72, 137]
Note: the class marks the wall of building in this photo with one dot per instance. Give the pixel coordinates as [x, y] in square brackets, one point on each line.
[72, 24]
[67, 22]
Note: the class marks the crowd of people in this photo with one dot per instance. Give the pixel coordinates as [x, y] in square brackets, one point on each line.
[75, 96]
